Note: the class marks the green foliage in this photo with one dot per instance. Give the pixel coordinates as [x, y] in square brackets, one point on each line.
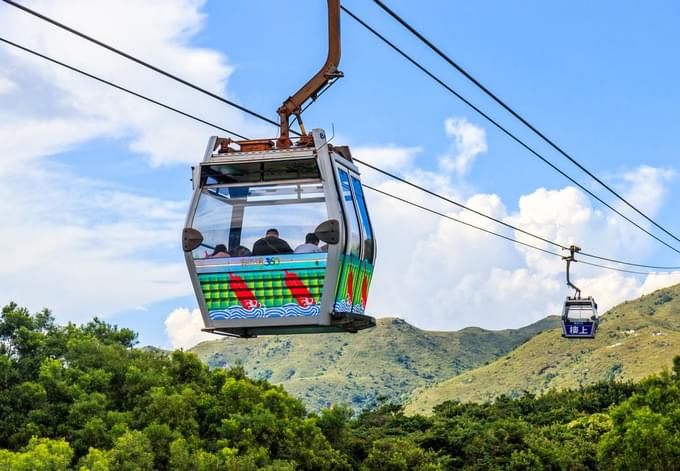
[40, 453]
[81, 398]
[399, 454]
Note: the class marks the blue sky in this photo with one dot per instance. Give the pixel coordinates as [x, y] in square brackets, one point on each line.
[95, 184]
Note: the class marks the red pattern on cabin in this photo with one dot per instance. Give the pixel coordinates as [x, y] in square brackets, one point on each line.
[243, 293]
[298, 289]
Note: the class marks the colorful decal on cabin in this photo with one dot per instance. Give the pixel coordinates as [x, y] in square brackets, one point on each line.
[262, 287]
[354, 282]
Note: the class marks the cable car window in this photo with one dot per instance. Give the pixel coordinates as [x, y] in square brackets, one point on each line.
[579, 311]
[210, 217]
[253, 172]
[369, 252]
[235, 218]
[354, 238]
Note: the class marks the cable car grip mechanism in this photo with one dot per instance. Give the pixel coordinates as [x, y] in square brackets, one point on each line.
[310, 90]
[573, 249]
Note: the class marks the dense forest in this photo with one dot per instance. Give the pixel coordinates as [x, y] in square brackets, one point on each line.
[82, 397]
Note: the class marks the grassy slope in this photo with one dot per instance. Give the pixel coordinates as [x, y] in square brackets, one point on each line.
[635, 339]
[391, 360]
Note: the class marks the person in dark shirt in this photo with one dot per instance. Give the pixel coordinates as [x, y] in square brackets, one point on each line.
[241, 251]
[271, 244]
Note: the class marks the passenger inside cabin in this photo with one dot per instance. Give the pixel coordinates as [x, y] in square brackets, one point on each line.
[311, 244]
[220, 251]
[271, 244]
[241, 251]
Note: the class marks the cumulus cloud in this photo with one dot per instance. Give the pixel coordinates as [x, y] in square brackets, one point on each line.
[469, 142]
[646, 186]
[184, 328]
[87, 246]
[657, 281]
[439, 274]
[390, 158]
[157, 31]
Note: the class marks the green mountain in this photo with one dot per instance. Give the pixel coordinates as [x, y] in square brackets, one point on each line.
[635, 339]
[384, 363]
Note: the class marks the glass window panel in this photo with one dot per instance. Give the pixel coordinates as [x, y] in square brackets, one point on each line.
[240, 215]
[354, 238]
[253, 172]
[581, 311]
[369, 253]
[212, 219]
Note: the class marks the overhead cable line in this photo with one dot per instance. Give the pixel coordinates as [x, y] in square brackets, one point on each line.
[270, 121]
[141, 62]
[163, 105]
[111, 84]
[456, 203]
[499, 126]
[495, 98]
[424, 208]
[641, 265]
[462, 206]
[616, 269]
[510, 239]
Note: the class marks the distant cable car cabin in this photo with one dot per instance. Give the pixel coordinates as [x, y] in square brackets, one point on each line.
[278, 239]
[579, 315]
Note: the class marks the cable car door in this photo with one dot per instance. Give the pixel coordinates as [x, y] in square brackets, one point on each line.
[356, 264]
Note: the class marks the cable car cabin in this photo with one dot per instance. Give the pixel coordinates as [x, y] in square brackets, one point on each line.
[579, 318]
[279, 241]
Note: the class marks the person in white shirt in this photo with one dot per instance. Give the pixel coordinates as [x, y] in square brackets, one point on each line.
[311, 245]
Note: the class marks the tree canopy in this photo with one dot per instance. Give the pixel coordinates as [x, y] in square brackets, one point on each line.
[83, 397]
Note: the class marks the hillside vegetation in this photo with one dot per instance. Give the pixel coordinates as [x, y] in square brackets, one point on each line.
[83, 398]
[363, 369]
[635, 339]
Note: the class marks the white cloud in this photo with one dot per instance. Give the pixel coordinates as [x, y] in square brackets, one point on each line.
[658, 281]
[184, 328]
[439, 274]
[85, 248]
[7, 86]
[390, 158]
[646, 186]
[157, 31]
[469, 142]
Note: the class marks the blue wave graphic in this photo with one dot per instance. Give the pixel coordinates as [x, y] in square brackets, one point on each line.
[289, 310]
[342, 306]
[237, 312]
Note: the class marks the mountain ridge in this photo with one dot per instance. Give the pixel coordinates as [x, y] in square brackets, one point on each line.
[635, 339]
[363, 369]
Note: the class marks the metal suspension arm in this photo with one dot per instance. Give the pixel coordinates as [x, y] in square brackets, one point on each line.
[570, 258]
[329, 71]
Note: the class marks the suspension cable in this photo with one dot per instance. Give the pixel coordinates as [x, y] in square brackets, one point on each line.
[111, 84]
[561, 246]
[494, 97]
[510, 239]
[141, 62]
[500, 127]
